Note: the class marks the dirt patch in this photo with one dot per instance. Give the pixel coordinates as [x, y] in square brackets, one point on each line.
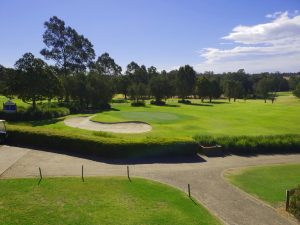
[122, 127]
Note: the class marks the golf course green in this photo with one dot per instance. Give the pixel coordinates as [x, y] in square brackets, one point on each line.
[106, 200]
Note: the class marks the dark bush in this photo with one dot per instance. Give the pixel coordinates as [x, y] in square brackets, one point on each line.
[73, 106]
[184, 101]
[41, 112]
[295, 203]
[138, 103]
[160, 103]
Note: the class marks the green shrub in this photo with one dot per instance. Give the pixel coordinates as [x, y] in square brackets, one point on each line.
[160, 103]
[110, 147]
[138, 103]
[295, 203]
[41, 112]
[184, 101]
[253, 144]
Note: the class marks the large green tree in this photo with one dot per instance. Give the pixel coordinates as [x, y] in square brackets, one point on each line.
[99, 89]
[157, 87]
[263, 88]
[71, 51]
[202, 88]
[106, 65]
[185, 81]
[296, 92]
[34, 80]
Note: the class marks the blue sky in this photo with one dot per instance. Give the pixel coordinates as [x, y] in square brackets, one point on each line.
[218, 35]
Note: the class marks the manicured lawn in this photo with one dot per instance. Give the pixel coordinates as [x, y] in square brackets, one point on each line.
[268, 183]
[252, 117]
[109, 200]
[179, 121]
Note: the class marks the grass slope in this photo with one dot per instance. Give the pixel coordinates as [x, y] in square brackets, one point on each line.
[268, 183]
[97, 201]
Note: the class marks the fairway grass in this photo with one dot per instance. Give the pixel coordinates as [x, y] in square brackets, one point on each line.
[219, 118]
[109, 200]
[268, 183]
[179, 121]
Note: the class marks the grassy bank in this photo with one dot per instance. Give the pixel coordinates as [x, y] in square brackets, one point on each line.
[268, 183]
[97, 201]
[97, 143]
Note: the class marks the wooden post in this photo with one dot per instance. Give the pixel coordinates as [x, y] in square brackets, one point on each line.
[128, 173]
[41, 177]
[82, 174]
[189, 190]
[40, 173]
[287, 201]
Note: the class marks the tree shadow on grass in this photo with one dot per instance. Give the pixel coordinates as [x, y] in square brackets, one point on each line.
[200, 104]
[196, 158]
[168, 105]
[217, 102]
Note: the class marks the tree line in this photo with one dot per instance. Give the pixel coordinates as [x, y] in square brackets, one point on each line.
[79, 78]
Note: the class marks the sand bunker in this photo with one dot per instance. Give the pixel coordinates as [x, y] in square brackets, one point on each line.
[122, 127]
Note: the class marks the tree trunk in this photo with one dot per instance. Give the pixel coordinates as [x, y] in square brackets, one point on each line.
[210, 99]
[265, 100]
[33, 103]
[125, 96]
[229, 99]
[202, 99]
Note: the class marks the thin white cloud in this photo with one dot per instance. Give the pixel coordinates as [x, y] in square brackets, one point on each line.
[273, 15]
[262, 47]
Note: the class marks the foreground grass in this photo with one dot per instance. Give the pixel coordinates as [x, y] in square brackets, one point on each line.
[97, 201]
[268, 183]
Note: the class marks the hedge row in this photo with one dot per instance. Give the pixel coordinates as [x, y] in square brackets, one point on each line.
[100, 146]
[254, 144]
[40, 113]
[295, 203]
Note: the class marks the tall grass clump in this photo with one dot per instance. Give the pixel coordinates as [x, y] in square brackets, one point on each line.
[253, 144]
[295, 203]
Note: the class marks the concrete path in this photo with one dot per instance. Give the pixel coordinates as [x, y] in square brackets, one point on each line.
[231, 205]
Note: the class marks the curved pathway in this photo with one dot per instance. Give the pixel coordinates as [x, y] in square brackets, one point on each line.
[85, 123]
[231, 205]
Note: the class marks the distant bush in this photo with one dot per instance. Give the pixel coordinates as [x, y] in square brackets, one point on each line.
[253, 144]
[138, 103]
[160, 103]
[184, 101]
[296, 92]
[119, 101]
[41, 112]
[101, 144]
[295, 203]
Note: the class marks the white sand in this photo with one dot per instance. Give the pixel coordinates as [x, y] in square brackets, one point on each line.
[123, 127]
